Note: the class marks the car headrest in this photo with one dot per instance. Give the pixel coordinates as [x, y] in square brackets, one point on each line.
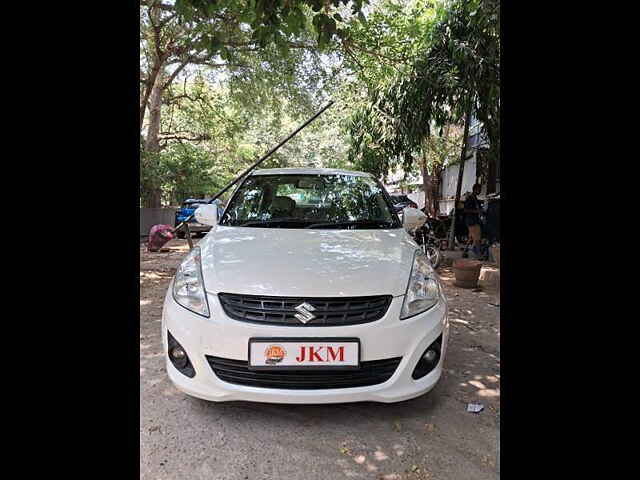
[283, 204]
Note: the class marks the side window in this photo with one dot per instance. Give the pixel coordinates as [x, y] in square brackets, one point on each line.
[302, 196]
[377, 205]
[249, 204]
[287, 190]
[246, 205]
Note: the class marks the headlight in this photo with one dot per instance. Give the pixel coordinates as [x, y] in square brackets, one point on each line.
[423, 291]
[188, 285]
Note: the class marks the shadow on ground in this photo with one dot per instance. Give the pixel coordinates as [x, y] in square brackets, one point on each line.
[430, 437]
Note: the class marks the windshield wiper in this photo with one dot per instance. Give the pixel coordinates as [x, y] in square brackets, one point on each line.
[276, 222]
[354, 223]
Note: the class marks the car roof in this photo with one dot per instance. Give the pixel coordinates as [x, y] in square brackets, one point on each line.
[309, 171]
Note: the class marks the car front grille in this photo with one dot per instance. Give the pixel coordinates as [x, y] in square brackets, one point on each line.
[326, 311]
[370, 373]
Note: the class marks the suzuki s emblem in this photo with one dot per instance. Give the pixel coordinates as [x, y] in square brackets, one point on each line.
[305, 314]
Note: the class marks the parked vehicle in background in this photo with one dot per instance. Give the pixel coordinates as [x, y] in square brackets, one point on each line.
[430, 244]
[187, 209]
[438, 226]
[308, 290]
[402, 201]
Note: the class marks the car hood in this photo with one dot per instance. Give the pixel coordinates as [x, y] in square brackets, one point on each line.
[307, 263]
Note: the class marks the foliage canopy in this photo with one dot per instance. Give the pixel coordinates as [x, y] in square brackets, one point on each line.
[222, 81]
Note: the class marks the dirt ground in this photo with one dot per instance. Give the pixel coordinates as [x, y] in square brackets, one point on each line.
[430, 437]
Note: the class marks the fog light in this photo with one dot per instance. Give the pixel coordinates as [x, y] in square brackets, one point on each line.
[429, 359]
[179, 357]
[430, 356]
[178, 353]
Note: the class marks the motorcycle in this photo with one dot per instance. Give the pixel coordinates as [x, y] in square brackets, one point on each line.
[427, 240]
[431, 245]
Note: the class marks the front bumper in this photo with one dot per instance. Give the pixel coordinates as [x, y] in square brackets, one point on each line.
[220, 336]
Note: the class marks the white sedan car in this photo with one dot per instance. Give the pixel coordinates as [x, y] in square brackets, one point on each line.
[308, 289]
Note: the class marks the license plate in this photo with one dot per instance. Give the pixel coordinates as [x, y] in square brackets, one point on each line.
[304, 353]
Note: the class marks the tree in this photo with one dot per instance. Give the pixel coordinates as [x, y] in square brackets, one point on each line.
[438, 152]
[456, 74]
[381, 53]
[206, 138]
[198, 129]
[244, 42]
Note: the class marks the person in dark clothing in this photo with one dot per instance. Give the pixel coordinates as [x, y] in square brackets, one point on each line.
[472, 210]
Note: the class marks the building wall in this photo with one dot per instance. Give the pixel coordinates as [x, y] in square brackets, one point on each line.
[417, 197]
[450, 182]
[155, 216]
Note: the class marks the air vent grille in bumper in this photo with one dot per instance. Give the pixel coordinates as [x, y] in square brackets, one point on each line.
[370, 373]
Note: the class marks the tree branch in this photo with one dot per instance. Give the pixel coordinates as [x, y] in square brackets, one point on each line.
[175, 73]
[210, 63]
[394, 61]
[157, 4]
[197, 138]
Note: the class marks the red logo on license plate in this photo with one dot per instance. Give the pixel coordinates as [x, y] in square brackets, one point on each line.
[274, 354]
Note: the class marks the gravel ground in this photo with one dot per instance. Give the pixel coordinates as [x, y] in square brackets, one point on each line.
[431, 437]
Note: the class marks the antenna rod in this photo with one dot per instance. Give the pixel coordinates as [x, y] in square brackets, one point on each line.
[262, 159]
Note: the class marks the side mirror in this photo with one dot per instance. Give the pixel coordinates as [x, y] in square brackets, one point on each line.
[207, 214]
[412, 219]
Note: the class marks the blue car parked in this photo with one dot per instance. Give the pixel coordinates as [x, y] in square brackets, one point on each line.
[187, 209]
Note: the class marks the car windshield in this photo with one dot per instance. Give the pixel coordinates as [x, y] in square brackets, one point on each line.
[310, 201]
[400, 198]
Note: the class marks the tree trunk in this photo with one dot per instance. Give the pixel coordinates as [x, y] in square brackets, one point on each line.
[153, 75]
[437, 174]
[152, 144]
[435, 180]
[426, 186]
[463, 155]
[157, 67]
[426, 182]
